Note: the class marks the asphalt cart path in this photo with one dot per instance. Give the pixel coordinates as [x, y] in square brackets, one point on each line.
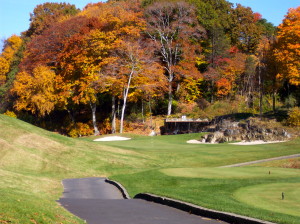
[98, 202]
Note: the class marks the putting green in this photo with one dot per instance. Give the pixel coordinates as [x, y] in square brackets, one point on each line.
[234, 172]
[269, 197]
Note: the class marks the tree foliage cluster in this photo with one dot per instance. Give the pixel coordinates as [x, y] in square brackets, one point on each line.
[89, 67]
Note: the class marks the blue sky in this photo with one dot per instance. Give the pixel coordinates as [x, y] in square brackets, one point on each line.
[14, 14]
[272, 10]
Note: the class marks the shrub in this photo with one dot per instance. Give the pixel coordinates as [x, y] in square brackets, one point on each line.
[10, 114]
[79, 130]
[290, 101]
[294, 117]
[105, 126]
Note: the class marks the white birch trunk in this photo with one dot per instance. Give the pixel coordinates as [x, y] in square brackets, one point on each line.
[125, 101]
[94, 107]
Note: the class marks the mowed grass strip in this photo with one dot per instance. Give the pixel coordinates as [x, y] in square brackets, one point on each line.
[34, 161]
[232, 173]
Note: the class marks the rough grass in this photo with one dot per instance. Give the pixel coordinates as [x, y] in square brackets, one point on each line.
[293, 163]
[33, 162]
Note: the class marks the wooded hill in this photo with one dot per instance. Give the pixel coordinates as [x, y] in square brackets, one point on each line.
[80, 71]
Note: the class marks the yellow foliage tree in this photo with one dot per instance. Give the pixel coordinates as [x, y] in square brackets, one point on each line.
[35, 92]
[12, 45]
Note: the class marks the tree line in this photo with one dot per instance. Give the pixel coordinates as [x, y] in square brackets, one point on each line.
[88, 68]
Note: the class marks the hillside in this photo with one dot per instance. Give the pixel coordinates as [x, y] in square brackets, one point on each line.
[34, 161]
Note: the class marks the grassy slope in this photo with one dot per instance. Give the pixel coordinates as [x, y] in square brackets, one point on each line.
[33, 162]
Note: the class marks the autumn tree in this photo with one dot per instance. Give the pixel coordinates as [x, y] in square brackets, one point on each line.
[47, 14]
[11, 47]
[249, 79]
[98, 45]
[245, 32]
[35, 91]
[9, 62]
[287, 47]
[169, 25]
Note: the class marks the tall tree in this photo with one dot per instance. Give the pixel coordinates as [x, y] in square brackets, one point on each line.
[170, 24]
[287, 48]
[47, 14]
[245, 32]
[9, 67]
[96, 46]
[249, 78]
[11, 47]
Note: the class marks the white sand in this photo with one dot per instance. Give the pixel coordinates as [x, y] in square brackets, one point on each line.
[259, 142]
[111, 138]
[194, 141]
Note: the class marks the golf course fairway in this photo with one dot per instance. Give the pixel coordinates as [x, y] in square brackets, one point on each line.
[33, 162]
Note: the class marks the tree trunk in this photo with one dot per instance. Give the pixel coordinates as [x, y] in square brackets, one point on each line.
[94, 107]
[143, 111]
[72, 117]
[113, 115]
[150, 111]
[170, 99]
[274, 101]
[260, 83]
[125, 100]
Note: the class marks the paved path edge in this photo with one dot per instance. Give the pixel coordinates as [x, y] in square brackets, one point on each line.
[190, 208]
[201, 211]
[119, 186]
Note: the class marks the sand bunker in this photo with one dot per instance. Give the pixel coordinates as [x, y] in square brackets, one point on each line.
[111, 138]
[259, 142]
[194, 141]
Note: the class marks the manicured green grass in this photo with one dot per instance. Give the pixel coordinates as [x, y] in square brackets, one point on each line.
[34, 161]
[232, 173]
[216, 193]
[269, 197]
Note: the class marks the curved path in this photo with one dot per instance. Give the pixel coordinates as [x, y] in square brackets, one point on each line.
[97, 202]
[262, 161]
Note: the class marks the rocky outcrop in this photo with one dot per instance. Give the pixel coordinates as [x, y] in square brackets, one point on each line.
[249, 130]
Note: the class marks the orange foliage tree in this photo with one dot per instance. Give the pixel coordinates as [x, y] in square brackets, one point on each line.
[287, 50]
[99, 44]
